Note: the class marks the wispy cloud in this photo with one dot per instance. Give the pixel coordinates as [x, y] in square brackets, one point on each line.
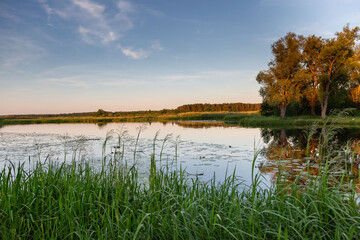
[102, 22]
[207, 76]
[94, 9]
[125, 6]
[160, 14]
[134, 54]
[181, 77]
[124, 82]
[90, 35]
[17, 50]
[51, 11]
[94, 21]
[141, 53]
[156, 45]
[73, 81]
[87, 76]
[7, 12]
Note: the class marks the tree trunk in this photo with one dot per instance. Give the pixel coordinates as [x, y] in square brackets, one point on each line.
[312, 105]
[313, 110]
[282, 110]
[282, 137]
[324, 105]
[324, 101]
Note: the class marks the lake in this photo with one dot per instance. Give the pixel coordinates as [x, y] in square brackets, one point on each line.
[203, 149]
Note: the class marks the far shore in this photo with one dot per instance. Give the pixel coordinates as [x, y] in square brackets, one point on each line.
[246, 119]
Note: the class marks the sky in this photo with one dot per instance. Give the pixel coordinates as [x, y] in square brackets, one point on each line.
[126, 55]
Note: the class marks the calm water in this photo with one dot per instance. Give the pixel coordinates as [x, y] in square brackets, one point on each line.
[203, 149]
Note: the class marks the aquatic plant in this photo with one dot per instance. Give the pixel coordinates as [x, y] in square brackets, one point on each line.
[74, 201]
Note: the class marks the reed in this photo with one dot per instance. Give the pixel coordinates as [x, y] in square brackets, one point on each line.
[75, 201]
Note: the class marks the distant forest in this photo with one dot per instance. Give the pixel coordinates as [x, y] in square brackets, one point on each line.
[198, 107]
[227, 107]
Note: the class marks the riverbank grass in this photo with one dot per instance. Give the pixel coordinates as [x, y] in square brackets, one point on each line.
[77, 202]
[246, 119]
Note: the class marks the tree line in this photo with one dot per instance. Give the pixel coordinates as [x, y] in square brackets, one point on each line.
[312, 72]
[198, 107]
[227, 107]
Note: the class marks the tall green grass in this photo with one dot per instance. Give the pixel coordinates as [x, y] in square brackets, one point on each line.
[76, 201]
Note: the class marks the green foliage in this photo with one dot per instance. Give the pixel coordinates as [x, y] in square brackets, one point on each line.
[280, 82]
[340, 100]
[164, 111]
[127, 116]
[101, 113]
[229, 107]
[266, 109]
[77, 202]
[324, 71]
[293, 109]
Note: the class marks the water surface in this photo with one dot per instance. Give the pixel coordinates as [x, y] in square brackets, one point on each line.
[203, 150]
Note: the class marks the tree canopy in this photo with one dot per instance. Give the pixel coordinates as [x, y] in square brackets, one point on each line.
[312, 69]
[280, 82]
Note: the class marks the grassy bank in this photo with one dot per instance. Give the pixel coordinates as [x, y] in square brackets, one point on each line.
[246, 119]
[76, 202]
[129, 118]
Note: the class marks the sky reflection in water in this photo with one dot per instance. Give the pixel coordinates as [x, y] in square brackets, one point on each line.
[204, 149]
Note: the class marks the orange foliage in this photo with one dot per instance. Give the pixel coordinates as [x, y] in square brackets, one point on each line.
[355, 94]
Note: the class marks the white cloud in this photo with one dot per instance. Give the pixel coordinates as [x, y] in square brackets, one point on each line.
[94, 9]
[50, 11]
[134, 54]
[94, 26]
[95, 21]
[123, 17]
[125, 6]
[91, 35]
[140, 53]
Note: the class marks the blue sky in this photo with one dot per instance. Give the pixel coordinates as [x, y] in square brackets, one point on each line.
[82, 55]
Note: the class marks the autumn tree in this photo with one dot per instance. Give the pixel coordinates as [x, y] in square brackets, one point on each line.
[334, 60]
[279, 83]
[311, 73]
[354, 73]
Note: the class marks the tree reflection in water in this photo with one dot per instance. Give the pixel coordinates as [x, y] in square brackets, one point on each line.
[289, 159]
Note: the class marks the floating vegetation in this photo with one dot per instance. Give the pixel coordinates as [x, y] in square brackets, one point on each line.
[76, 201]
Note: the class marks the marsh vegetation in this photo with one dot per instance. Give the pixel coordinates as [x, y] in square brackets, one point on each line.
[74, 200]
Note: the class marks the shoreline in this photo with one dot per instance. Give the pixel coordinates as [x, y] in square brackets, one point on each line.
[245, 119]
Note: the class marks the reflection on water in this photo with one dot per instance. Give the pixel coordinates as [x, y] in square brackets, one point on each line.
[204, 149]
[201, 124]
[300, 157]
